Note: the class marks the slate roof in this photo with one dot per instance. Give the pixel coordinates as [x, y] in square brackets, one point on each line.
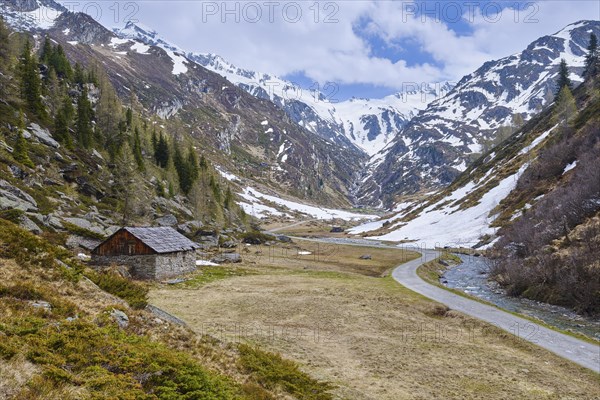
[163, 239]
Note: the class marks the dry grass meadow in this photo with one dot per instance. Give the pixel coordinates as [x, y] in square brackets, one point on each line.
[349, 324]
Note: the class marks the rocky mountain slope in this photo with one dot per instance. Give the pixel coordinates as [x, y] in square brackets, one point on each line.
[445, 138]
[368, 124]
[536, 186]
[237, 131]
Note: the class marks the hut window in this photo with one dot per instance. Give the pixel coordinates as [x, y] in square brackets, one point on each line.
[131, 247]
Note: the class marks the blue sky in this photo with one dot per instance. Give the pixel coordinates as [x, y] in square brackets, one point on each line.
[365, 48]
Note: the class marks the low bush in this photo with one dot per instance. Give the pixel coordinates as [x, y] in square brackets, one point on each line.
[273, 371]
[134, 293]
[256, 237]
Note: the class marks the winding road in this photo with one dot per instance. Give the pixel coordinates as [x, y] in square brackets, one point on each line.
[580, 352]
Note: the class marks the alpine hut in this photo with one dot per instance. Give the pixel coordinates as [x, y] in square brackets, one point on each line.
[149, 253]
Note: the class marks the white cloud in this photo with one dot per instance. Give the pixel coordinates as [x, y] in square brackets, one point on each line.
[336, 52]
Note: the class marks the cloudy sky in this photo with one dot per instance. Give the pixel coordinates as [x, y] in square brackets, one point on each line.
[367, 48]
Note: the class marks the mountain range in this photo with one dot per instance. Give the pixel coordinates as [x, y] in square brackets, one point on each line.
[372, 152]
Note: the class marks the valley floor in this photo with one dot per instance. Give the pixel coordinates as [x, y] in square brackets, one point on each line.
[368, 335]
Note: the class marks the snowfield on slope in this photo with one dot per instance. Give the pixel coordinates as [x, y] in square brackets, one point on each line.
[449, 226]
[254, 204]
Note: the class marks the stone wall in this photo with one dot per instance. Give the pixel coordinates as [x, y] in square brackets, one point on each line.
[139, 267]
[174, 264]
[156, 266]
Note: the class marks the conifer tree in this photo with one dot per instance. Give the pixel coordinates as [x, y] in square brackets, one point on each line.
[62, 123]
[228, 200]
[78, 75]
[47, 51]
[592, 57]
[203, 163]
[192, 165]
[563, 77]
[21, 149]
[162, 154]
[137, 149]
[565, 107]
[84, 120]
[4, 45]
[129, 117]
[61, 64]
[154, 141]
[31, 82]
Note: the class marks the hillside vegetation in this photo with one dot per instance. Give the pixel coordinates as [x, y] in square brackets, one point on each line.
[549, 247]
[61, 336]
[69, 147]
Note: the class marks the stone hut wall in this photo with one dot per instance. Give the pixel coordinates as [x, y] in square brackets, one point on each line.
[155, 266]
[175, 264]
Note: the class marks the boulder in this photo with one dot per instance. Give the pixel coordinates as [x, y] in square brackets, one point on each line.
[43, 136]
[85, 224]
[167, 220]
[18, 172]
[29, 225]
[44, 305]
[13, 197]
[365, 257]
[227, 258]
[120, 318]
[207, 242]
[284, 239]
[80, 222]
[189, 227]
[229, 244]
[75, 242]
[52, 221]
[337, 229]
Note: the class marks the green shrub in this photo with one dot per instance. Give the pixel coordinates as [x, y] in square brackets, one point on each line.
[272, 371]
[13, 215]
[7, 349]
[256, 237]
[135, 294]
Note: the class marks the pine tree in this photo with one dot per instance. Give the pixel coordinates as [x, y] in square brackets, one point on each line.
[53, 89]
[215, 188]
[21, 150]
[192, 165]
[154, 142]
[84, 120]
[228, 200]
[126, 177]
[47, 51]
[61, 64]
[162, 154]
[4, 44]
[137, 149]
[31, 86]
[565, 107]
[592, 57]
[129, 117]
[62, 123]
[78, 75]
[563, 77]
[203, 163]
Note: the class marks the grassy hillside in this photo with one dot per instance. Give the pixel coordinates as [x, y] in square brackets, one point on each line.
[60, 338]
